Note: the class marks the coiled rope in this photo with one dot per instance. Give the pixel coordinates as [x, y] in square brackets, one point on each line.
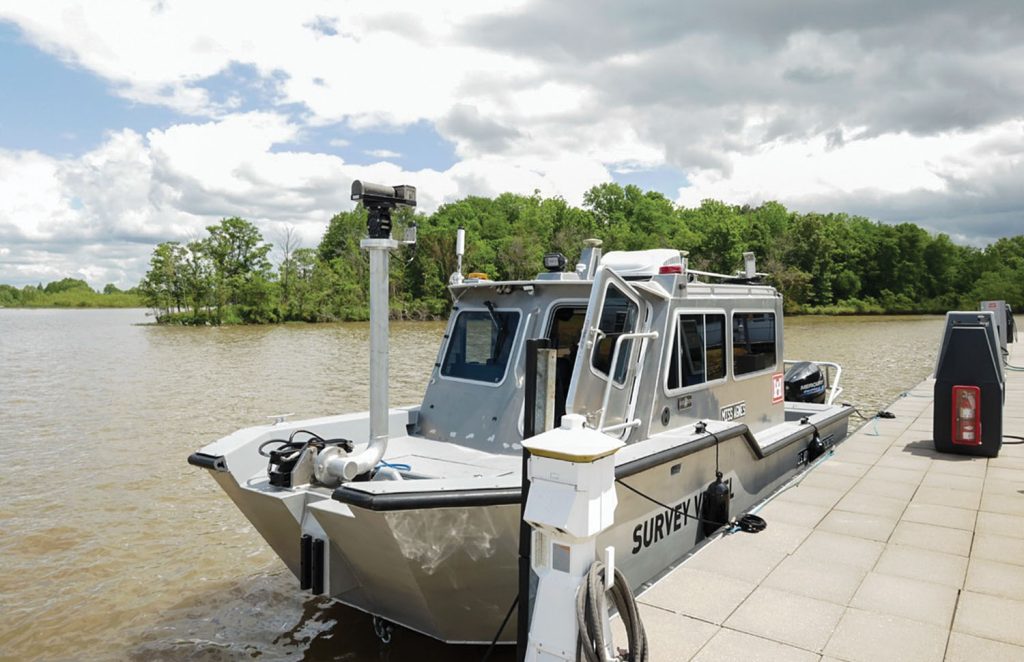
[592, 618]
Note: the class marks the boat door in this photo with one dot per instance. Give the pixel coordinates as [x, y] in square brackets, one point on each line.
[608, 365]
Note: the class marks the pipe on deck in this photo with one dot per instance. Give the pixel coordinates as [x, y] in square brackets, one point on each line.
[347, 468]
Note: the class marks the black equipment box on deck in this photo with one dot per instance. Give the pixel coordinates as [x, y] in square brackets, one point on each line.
[969, 387]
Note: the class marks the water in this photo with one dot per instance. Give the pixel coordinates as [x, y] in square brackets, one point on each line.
[113, 547]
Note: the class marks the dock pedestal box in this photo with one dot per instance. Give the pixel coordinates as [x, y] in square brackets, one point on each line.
[969, 386]
[1003, 319]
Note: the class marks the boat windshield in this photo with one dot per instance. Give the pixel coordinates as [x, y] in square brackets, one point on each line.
[480, 346]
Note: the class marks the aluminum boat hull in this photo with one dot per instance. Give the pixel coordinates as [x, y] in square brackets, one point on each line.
[450, 571]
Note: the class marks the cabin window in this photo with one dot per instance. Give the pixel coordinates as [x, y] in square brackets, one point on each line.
[698, 351]
[618, 316]
[480, 345]
[753, 342]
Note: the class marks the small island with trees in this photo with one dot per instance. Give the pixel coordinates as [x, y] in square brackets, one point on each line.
[821, 263]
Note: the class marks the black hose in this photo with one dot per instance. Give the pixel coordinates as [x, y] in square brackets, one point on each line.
[751, 524]
[592, 617]
[285, 445]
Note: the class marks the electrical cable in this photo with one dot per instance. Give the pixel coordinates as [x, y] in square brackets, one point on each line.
[1019, 440]
[881, 412]
[283, 459]
[398, 466]
[874, 419]
[858, 412]
[497, 635]
[753, 525]
[718, 471]
[592, 618]
[290, 444]
[795, 481]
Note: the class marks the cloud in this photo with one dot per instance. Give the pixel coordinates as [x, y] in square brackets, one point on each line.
[474, 132]
[902, 111]
[966, 184]
[704, 71]
[383, 153]
[99, 216]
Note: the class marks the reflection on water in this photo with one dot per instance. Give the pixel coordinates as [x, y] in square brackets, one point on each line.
[113, 547]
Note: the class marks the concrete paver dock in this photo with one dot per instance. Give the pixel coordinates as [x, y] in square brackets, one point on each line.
[886, 551]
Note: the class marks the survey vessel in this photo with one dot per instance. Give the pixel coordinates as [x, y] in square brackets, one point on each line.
[412, 513]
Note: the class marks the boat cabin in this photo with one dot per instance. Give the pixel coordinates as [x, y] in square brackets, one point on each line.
[643, 345]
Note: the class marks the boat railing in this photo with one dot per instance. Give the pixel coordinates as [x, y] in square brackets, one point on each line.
[833, 373]
[611, 379]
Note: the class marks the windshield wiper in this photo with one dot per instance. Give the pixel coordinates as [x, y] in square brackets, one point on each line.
[499, 325]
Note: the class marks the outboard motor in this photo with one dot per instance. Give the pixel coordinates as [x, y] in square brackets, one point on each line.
[805, 382]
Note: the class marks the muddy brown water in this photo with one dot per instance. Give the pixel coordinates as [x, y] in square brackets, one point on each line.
[112, 547]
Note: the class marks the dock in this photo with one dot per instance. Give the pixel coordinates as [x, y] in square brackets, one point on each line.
[887, 550]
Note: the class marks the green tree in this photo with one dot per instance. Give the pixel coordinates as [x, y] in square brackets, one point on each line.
[65, 284]
[161, 287]
[9, 296]
[241, 270]
[819, 262]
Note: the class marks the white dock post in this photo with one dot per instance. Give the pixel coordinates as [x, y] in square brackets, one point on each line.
[571, 501]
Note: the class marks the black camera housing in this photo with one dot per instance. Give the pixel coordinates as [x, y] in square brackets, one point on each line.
[554, 262]
[379, 200]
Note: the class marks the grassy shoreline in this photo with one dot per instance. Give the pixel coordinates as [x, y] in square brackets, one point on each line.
[69, 293]
[57, 301]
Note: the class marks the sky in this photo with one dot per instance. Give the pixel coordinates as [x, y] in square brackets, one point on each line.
[128, 123]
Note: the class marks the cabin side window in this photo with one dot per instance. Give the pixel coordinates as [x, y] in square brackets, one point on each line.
[698, 351]
[753, 342]
[618, 316]
[480, 345]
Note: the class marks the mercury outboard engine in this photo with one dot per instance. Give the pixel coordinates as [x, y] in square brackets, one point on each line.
[805, 382]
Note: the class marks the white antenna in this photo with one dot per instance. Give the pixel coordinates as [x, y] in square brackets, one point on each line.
[460, 250]
[749, 265]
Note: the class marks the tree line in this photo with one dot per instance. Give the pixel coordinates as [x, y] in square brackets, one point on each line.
[68, 293]
[822, 263]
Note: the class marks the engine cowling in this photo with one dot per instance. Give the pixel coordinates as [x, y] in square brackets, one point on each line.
[805, 382]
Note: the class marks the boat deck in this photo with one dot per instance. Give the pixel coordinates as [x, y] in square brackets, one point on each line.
[886, 551]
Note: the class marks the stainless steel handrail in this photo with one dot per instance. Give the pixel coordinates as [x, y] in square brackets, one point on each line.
[611, 379]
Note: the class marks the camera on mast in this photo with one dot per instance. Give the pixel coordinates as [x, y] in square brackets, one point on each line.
[379, 200]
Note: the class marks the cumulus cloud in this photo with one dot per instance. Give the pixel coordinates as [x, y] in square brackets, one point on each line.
[98, 216]
[899, 110]
[383, 153]
[966, 184]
